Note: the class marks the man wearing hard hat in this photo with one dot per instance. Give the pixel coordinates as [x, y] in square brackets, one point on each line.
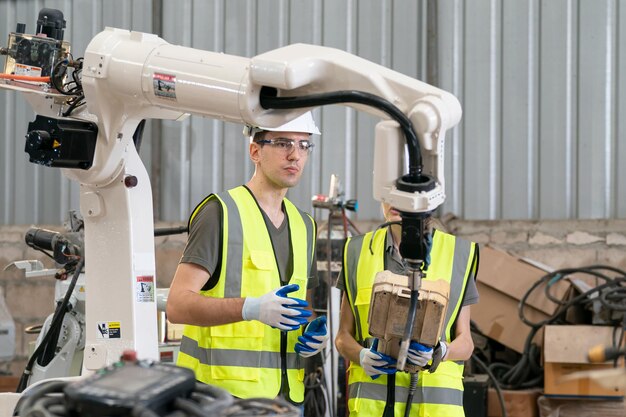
[242, 281]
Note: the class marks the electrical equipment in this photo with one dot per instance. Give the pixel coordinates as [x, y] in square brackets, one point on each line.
[119, 389]
[59, 347]
[36, 55]
[389, 309]
[7, 331]
[62, 143]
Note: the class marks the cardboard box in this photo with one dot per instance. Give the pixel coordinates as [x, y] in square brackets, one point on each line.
[9, 383]
[565, 352]
[520, 403]
[503, 280]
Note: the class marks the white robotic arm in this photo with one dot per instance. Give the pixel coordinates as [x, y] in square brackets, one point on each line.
[130, 76]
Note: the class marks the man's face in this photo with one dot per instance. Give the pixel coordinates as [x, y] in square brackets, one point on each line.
[279, 166]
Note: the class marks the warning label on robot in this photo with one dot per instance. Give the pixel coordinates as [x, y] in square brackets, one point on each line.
[29, 70]
[144, 289]
[109, 330]
[164, 85]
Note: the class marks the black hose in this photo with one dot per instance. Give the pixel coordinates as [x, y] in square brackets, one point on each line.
[166, 231]
[412, 389]
[527, 372]
[269, 100]
[496, 385]
[138, 135]
[49, 339]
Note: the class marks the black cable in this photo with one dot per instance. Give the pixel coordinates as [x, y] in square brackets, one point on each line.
[494, 380]
[74, 104]
[47, 399]
[57, 77]
[258, 407]
[380, 226]
[190, 408]
[166, 231]
[564, 306]
[49, 255]
[55, 323]
[268, 100]
[412, 389]
[215, 393]
[138, 135]
[314, 397]
[527, 372]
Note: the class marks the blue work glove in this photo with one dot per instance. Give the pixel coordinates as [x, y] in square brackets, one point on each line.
[375, 363]
[314, 339]
[276, 309]
[419, 354]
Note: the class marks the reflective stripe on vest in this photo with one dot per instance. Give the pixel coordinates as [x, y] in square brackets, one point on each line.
[244, 357]
[448, 396]
[439, 393]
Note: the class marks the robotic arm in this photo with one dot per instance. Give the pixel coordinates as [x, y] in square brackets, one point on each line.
[130, 76]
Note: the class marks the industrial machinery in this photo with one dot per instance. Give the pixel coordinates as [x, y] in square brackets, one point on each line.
[58, 350]
[59, 347]
[89, 109]
[131, 387]
[7, 331]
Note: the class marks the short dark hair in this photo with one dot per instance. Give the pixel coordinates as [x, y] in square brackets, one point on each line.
[260, 135]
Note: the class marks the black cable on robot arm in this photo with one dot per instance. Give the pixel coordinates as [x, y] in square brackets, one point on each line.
[269, 100]
[55, 323]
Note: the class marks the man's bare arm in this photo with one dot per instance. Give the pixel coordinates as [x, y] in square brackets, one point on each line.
[346, 343]
[185, 304]
[462, 346]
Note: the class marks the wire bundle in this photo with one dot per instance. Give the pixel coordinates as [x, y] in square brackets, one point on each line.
[316, 396]
[611, 293]
[47, 400]
[46, 350]
[73, 87]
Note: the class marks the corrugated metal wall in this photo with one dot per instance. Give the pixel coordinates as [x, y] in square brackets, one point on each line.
[542, 84]
[31, 193]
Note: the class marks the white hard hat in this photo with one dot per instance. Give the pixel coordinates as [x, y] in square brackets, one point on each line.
[301, 124]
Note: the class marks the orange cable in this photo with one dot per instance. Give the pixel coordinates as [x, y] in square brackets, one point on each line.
[25, 78]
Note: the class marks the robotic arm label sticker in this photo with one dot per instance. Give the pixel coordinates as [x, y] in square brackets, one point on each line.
[21, 69]
[109, 330]
[164, 85]
[144, 288]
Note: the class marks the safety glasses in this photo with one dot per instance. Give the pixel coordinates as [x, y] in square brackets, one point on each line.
[287, 145]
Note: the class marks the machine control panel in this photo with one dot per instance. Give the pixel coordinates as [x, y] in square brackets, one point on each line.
[119, 388]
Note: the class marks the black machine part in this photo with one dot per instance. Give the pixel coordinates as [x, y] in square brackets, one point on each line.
[62, 143]
[119, 389]
[51, 23]
[63, 250]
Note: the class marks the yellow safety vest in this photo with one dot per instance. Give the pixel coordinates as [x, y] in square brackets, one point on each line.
[440, 393]
[245, 357]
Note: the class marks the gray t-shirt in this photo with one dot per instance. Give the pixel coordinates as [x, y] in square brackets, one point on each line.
[204, 245]
[396, 264]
